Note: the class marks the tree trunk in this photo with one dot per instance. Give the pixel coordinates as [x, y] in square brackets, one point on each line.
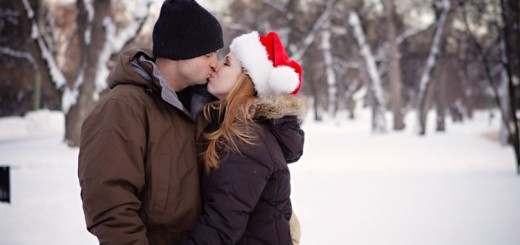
[379, 121]
[331, 74]
[426, 106]
[444, 19]
[25, 80]
[464, 75]
[314, 91]
[395, 67]
[90, 49]
[503, 93]
[440, 97]
[511, 17]
[311, 35]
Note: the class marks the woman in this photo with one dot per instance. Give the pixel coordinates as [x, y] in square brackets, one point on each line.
[253, 133]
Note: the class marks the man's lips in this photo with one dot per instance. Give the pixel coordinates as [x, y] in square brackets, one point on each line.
[211, 76]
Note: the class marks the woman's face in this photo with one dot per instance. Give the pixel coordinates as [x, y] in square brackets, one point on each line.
[224, 78]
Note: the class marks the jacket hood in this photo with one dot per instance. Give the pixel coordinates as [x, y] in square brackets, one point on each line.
[282, 115]
[135, 66]
[278, 106]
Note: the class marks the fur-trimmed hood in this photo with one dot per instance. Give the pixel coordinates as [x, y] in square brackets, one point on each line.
[282, 115]
[278, 106]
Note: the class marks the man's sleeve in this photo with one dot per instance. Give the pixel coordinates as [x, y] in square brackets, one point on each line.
[111, 173]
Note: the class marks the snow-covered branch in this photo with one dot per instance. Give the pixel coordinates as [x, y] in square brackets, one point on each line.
[410, 33]
[115, 42]
[345, 65]
[18, 54]
[353, 90]
[314, 31]
[276, 5]
[9, 15]
[57, 76]
[90, 18]
[130, 32]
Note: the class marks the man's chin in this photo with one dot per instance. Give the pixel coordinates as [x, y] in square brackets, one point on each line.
[201, 82]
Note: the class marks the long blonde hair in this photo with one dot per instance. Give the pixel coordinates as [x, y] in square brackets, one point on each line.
[237, 119]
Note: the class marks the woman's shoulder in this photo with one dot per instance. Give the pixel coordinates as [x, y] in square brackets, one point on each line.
[278, 106]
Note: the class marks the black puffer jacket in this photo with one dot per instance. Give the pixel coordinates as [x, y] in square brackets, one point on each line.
[246, 200]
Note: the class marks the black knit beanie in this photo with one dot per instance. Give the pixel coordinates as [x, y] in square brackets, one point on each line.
[185, 30]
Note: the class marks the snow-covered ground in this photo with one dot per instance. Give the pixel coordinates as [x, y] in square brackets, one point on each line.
[350, 187]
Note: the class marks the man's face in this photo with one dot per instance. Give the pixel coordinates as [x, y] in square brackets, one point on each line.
[197, 70]
[222, 81]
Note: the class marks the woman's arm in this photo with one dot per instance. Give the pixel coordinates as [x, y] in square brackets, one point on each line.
[232, 191]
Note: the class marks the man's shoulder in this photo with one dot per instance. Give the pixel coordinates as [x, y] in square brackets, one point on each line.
[131, 52]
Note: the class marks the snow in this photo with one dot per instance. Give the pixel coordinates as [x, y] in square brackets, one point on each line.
[350, 187]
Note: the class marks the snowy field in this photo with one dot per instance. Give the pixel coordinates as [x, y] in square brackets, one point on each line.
[350, 187]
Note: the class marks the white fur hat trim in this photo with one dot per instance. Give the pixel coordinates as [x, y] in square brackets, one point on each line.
[253, 57]
[284, 79]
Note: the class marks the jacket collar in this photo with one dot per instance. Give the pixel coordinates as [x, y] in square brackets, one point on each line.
[278, 106]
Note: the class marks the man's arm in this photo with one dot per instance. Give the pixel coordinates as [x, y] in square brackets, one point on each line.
[111, 173]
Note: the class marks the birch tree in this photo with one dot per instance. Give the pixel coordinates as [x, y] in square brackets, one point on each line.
[395, 66]
[98, 40]
[378, 110]
[444, 7]
[329, 67]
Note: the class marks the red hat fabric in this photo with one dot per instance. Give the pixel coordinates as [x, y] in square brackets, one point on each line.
[265, 60]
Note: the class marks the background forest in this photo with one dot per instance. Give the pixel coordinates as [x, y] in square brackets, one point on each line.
[393, 56]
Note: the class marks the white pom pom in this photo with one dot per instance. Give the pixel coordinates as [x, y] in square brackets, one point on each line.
[283, 79]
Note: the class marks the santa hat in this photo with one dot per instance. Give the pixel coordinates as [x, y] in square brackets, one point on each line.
[265, 60]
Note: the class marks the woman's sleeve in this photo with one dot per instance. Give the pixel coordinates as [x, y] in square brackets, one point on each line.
[232, 192]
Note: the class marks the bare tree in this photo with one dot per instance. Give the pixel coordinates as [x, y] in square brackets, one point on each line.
[395, 66]
[329, 67]
[378, 111]
[442, 22]
[98, 40]
[26, 83]
[511, 17]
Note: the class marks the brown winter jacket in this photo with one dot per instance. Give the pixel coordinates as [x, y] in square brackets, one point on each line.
[246, 200]
[137, 162]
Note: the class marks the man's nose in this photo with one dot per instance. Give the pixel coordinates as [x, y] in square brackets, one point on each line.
[214, 67]
[214, 64]
[217, 66]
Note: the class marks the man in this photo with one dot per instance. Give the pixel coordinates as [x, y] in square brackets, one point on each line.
[137, 162]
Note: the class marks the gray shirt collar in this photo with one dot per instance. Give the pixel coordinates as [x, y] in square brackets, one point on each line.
[167, 93]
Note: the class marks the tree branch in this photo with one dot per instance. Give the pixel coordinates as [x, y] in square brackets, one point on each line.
[489, 76]
[314, 31]
[18, 54]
